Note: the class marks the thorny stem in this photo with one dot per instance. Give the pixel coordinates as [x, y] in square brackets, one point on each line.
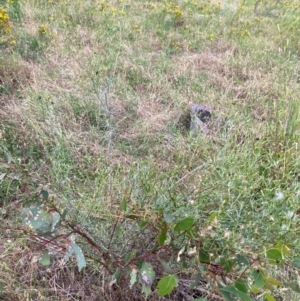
[113, 232]
[249, 266]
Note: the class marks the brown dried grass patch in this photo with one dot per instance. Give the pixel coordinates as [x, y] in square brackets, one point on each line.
[14, 75]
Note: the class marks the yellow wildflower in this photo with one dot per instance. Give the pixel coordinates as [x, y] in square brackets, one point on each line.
[42, 29]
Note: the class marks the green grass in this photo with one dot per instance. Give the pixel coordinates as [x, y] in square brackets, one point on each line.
[90, 98]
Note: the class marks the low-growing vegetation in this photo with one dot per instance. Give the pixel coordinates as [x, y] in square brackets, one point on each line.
[106, 190]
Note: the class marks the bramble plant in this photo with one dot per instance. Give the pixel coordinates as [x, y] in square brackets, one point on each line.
[241, 275]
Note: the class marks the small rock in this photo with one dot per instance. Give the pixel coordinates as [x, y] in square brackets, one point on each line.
[200, 117]
[195, 119]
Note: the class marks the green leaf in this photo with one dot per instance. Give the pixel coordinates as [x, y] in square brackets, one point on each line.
[55, 217]
[201, 299]
[37, 219]
[9, 157]
[195, 283]
[272, 281]
[161, 239]
[2, 176]
[296, 263]
[227, 296]
[243, 260]
[133, 276]
[258, 279]
[70, 252]
[147, 273]
[15, 175]
[232, 290]
[45, 195]
[64, 214]
[166, 266]
[255, 290]
[79, 256]
[294, 286]
[241, 285]
[269, 297]
[204, 256]
[227, 264]
[275, 256]
[212, 216]
[184, 224]
[130, 256]
[143, 224]
[167, 284]
[146, 277]
[123, 204]
[146, 289]
[74, 248]
[283, 248]
[45, 259]
[115, 276]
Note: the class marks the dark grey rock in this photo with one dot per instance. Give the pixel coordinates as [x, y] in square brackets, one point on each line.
[200, 111]
[195, 119]
[200, 117]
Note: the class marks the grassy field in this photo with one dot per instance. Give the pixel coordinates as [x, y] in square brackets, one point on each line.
[92, 95]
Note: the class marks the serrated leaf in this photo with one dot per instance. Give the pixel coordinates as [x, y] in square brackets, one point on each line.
[45, 259]
[168, 217]
[204, 256]
[243, 260]
[255, 290]
[130, 256]
[296, 263]
[272, 281]
[184, 224]
[133, 276]
[68, 255]
[55, 216]
[37, 219]
[166, 285]
[166, 266]
[269, 297]
[275, 256]
[146, 289]
[258, 278]
[232, 290]
[80, 259]
[147, 273]
[195, 283]
[115, 276]
[294, 286]
[241, 285]
[227, 264]
[227, 296]
[161, 239]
